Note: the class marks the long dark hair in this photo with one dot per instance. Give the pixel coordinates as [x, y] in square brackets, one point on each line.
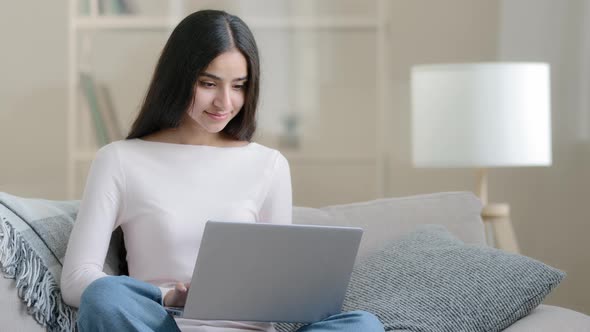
[194, 43]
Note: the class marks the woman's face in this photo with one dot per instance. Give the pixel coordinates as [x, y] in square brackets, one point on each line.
[220, 92]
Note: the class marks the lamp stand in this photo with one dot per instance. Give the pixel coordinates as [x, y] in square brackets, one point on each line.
[496, 217]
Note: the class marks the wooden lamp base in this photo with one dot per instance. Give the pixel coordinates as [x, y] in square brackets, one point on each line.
[496, 218]
[498, 225]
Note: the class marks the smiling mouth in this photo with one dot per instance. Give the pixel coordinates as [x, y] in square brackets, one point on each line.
[218, 116]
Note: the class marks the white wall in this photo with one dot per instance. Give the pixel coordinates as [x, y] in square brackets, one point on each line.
[33, 98]
[424, 31]
[550, 205]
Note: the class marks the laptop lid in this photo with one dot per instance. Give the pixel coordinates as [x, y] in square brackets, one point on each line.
[271, 273]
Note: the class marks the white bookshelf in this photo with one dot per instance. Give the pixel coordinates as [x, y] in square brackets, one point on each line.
[81, 27]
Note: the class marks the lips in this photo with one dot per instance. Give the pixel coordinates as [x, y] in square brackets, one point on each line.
[217, 116]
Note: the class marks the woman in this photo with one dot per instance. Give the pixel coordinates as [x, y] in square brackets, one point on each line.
[188, 158]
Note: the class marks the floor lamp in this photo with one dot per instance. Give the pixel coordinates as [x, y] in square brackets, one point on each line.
[482, 115]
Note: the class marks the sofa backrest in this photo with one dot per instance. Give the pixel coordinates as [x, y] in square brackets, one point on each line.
[388, 218]
[382, 219]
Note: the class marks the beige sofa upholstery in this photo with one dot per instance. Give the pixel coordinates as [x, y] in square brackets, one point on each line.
[382, 220]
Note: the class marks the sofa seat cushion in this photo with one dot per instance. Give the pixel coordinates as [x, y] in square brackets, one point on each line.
[547, 318]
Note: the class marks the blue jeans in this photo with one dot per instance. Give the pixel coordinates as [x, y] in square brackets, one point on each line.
[125, 304]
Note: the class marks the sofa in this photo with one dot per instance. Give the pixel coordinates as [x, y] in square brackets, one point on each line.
[383, 221]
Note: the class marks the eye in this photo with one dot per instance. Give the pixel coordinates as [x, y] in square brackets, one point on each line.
[206, 84]
[240, 86]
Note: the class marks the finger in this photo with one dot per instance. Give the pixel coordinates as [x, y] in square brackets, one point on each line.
[180, 287]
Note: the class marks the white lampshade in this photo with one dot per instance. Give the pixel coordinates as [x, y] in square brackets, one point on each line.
[481, 115]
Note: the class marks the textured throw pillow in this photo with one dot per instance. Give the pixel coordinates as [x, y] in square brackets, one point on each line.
[429, 280]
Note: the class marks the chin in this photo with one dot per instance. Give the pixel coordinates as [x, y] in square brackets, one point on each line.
[215, 130]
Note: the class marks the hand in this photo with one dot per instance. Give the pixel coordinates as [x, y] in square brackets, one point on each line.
[177, 297]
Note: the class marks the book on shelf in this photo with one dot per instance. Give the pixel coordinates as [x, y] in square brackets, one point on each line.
[102, 112]
[117, 7]
[109, 115]
[108, 7]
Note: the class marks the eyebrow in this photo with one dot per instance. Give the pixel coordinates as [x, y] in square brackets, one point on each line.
[215, 77]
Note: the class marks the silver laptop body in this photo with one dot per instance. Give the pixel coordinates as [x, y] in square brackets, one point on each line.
[271, 273]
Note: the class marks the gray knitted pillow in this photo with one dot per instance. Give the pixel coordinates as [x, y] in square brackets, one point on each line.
[429, 280]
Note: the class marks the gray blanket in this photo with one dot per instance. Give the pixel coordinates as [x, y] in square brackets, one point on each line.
[33, 240]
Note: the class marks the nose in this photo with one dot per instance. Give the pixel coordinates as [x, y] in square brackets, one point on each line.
[223, 99]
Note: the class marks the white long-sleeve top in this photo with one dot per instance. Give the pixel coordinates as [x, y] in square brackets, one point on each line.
[162, 194]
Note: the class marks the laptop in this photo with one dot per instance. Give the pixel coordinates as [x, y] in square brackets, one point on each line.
[270, 272]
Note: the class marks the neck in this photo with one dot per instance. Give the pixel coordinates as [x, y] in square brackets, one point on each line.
[195, 135]
[188, 135]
